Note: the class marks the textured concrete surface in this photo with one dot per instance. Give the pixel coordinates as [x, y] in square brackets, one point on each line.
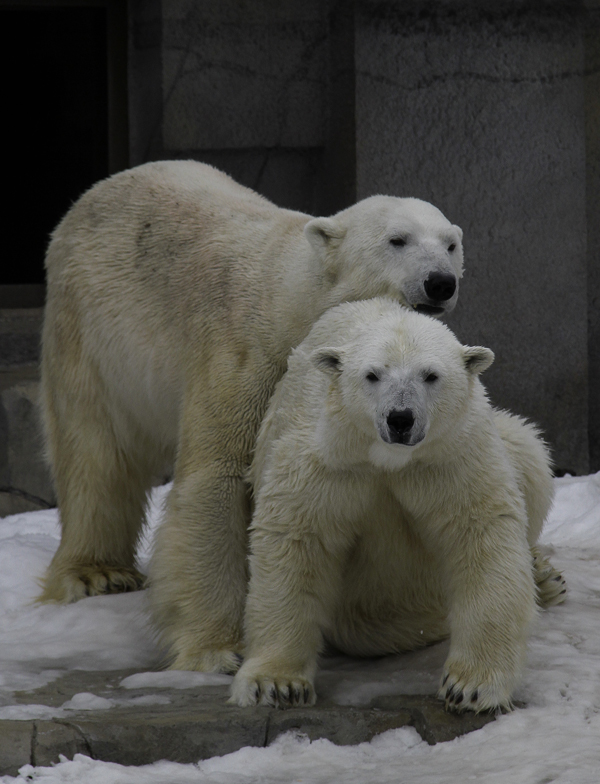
[592, 185]
[20, 330]
[239, 75]
[488, 123]
[22, 465]
[197, 723]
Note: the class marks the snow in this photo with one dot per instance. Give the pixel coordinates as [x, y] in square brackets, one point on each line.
[556, 738]
[174, 679]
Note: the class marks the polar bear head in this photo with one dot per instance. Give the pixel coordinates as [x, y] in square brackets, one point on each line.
[384, 246]
[401, 380]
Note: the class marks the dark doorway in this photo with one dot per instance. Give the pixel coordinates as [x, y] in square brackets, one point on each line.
[55, 125]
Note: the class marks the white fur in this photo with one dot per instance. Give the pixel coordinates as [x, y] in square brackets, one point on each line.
[174, 298]
[379, 554]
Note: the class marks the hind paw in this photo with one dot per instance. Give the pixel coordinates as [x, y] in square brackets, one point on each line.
[77, 582]
[551, 587]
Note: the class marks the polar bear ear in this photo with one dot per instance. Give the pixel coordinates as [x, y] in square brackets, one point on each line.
[477, 358]
[320, 232]
[329, 360]
[459, 230]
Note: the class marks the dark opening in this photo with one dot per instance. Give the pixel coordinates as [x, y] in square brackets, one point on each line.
[54, 128]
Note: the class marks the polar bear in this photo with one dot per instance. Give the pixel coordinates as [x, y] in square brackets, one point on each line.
[393, 506]
[174, 298]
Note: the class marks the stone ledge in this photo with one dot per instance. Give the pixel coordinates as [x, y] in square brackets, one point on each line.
[197, 723]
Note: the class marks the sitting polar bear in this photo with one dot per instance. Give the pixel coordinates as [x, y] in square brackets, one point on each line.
[394, 506]
[174, 298]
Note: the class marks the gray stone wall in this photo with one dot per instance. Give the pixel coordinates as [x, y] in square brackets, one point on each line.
[482, 112]
[242, 86]
[489, 109]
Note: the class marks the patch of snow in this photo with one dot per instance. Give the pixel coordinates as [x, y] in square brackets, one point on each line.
[556, 738]
[174, 679]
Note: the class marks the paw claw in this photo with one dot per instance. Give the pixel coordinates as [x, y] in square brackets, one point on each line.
[251, 688]
[460, 696]
[272, 699]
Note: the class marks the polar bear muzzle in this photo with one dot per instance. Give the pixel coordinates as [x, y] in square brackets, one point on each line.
[400, 424]
[439, 288]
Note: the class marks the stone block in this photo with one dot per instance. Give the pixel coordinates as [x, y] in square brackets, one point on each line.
[54, 738]
[342, 726]
[198, 723]
[20, 335]
[15, 746]
[429, 717]
[24, 474]
[141, 737]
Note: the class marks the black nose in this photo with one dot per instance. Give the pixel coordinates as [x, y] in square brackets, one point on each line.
[440, 286]
[399, 425]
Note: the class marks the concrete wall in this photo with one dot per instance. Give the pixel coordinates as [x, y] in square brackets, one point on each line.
[488, 109]
[242, 86]
[482, 111]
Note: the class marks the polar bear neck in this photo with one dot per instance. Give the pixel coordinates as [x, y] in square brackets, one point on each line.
[299, 303]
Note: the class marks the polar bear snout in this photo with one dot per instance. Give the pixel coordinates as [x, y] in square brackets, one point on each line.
[436, 294]
[400, 425]
[440, 286]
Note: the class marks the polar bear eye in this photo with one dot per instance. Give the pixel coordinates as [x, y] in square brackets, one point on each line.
[372, 377]
[452, 247]
[430, 378]
[399, 242]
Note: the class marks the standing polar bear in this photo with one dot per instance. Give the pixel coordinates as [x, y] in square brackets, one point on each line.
[393, 506]
[174, 298]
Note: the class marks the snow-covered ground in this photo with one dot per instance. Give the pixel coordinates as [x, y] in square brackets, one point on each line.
[555, 739]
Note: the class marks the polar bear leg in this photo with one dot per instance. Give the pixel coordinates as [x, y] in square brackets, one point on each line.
[493, 603]
[295, 583]
[101, 488]
[531, 461]
[198, 574]
[199, 571]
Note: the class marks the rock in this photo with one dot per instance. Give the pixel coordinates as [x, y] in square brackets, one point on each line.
[186, 725]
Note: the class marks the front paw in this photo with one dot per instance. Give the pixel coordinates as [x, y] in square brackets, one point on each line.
[276, 691]
[462, 691]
